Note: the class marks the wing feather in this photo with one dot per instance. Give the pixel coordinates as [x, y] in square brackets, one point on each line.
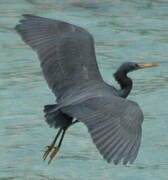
[66, 51]
[114, 124]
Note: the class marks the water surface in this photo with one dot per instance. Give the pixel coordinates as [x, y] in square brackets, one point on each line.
[124, 30]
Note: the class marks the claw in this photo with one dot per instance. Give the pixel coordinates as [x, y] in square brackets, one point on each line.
[46, 153]
[53, 150]
[53, 154]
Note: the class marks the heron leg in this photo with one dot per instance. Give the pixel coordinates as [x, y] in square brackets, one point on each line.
[50, 147]
[56, 148]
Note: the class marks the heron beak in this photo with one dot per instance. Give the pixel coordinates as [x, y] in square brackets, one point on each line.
[147, 65]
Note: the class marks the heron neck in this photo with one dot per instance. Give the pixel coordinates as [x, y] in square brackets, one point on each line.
[125, 83]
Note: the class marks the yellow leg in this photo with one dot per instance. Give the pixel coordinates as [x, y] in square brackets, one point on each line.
[47, 152]
[53, 154]
[53, 150]
[50, 147]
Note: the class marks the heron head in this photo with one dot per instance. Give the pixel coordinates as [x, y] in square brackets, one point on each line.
[132, 66]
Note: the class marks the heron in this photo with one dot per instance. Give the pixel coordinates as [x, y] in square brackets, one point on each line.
[68, 61]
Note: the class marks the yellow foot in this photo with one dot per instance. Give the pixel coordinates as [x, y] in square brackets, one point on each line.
[53, 154]
[46, 153]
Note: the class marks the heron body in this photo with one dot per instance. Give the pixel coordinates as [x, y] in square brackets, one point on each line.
[68, 61]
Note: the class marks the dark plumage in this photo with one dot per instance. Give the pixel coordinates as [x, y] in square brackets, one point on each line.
[68, 61]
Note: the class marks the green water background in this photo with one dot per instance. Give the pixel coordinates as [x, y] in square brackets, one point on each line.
[124, 30]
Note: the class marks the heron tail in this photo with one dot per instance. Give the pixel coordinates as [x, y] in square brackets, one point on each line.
[55, 118]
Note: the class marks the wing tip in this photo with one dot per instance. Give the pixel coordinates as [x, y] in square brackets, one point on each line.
[16, 27]
[126, 155]
[28, 16]
[25, 18]
[116, 162]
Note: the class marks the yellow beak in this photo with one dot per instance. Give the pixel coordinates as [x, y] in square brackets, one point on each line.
[147, 65]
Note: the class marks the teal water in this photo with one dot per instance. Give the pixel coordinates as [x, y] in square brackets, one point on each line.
[124, 30]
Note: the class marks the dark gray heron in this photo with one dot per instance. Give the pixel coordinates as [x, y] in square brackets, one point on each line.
[68, 62]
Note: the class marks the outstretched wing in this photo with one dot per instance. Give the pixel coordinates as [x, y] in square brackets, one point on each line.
[114, 124]
[66, 52]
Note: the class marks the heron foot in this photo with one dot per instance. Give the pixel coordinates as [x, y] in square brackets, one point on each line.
[52, 149]
[47, 152]
[53, 153]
